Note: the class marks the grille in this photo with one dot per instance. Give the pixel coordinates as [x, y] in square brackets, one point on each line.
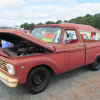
[3, 65]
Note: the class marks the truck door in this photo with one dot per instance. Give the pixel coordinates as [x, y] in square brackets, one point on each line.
[74, 50]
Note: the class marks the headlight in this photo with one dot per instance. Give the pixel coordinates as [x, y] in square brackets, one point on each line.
[10, 69]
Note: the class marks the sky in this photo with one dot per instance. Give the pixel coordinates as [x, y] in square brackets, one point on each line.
[17, 12]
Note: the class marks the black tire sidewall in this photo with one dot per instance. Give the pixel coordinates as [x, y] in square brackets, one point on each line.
[95, 67]
[33, 89]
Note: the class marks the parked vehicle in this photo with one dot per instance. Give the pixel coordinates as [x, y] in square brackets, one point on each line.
[84, 36]
[49, 48]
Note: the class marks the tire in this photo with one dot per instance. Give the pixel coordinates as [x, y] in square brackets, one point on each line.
[38, 80]
[96, 65]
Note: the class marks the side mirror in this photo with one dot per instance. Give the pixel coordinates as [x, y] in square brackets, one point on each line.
[68, 40]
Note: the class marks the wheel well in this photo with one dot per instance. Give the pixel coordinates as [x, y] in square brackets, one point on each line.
[51, 71]
[98, 58]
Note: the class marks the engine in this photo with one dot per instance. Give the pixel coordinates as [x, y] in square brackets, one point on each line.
[30, 50]
[24, 49]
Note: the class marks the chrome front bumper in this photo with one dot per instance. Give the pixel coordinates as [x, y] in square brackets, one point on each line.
[11, 82]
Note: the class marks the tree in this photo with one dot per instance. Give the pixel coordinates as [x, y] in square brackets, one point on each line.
[39, 24]
[88, 15]
[65, 21]
[27, 26]
[50, 22]
[22, 26]
[96, 21]
[58, 22]
[31, 26]
[75, 20]
[93, 20]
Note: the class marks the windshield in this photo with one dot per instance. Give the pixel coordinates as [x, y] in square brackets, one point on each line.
[48, 34]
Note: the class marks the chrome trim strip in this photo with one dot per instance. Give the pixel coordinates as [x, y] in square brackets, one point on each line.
[77, 48]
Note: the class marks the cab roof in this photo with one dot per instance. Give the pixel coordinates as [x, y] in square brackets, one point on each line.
[58, 25]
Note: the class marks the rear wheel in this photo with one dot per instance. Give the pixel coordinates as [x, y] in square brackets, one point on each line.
[96, 65]
[38, 80]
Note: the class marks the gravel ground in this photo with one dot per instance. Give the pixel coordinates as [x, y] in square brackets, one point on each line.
[78, 84]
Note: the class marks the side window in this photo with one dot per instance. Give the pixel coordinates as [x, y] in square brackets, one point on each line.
[70, 36]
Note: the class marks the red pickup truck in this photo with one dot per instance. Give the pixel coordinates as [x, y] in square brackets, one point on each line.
[49, 48]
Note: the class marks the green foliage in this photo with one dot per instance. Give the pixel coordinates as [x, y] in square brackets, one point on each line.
[96, 21]
[88, 20]
[39, 24]
[50, 22]
[93, 20]
[65, 21]
[59, 21]
[27, 26]
[75, 20]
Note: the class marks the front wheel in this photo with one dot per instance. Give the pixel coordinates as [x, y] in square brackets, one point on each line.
[38, 80]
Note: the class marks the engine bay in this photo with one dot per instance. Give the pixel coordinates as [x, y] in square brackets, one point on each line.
[22, 45]
[25, 48]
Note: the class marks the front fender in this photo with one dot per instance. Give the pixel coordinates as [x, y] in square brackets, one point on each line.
[30, 64]
[53, 65]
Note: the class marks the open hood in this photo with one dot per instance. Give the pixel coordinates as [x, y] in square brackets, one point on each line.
[14, 34]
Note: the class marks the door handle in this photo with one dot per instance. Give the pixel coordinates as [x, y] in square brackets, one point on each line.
[81, 45]
[84, 43]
